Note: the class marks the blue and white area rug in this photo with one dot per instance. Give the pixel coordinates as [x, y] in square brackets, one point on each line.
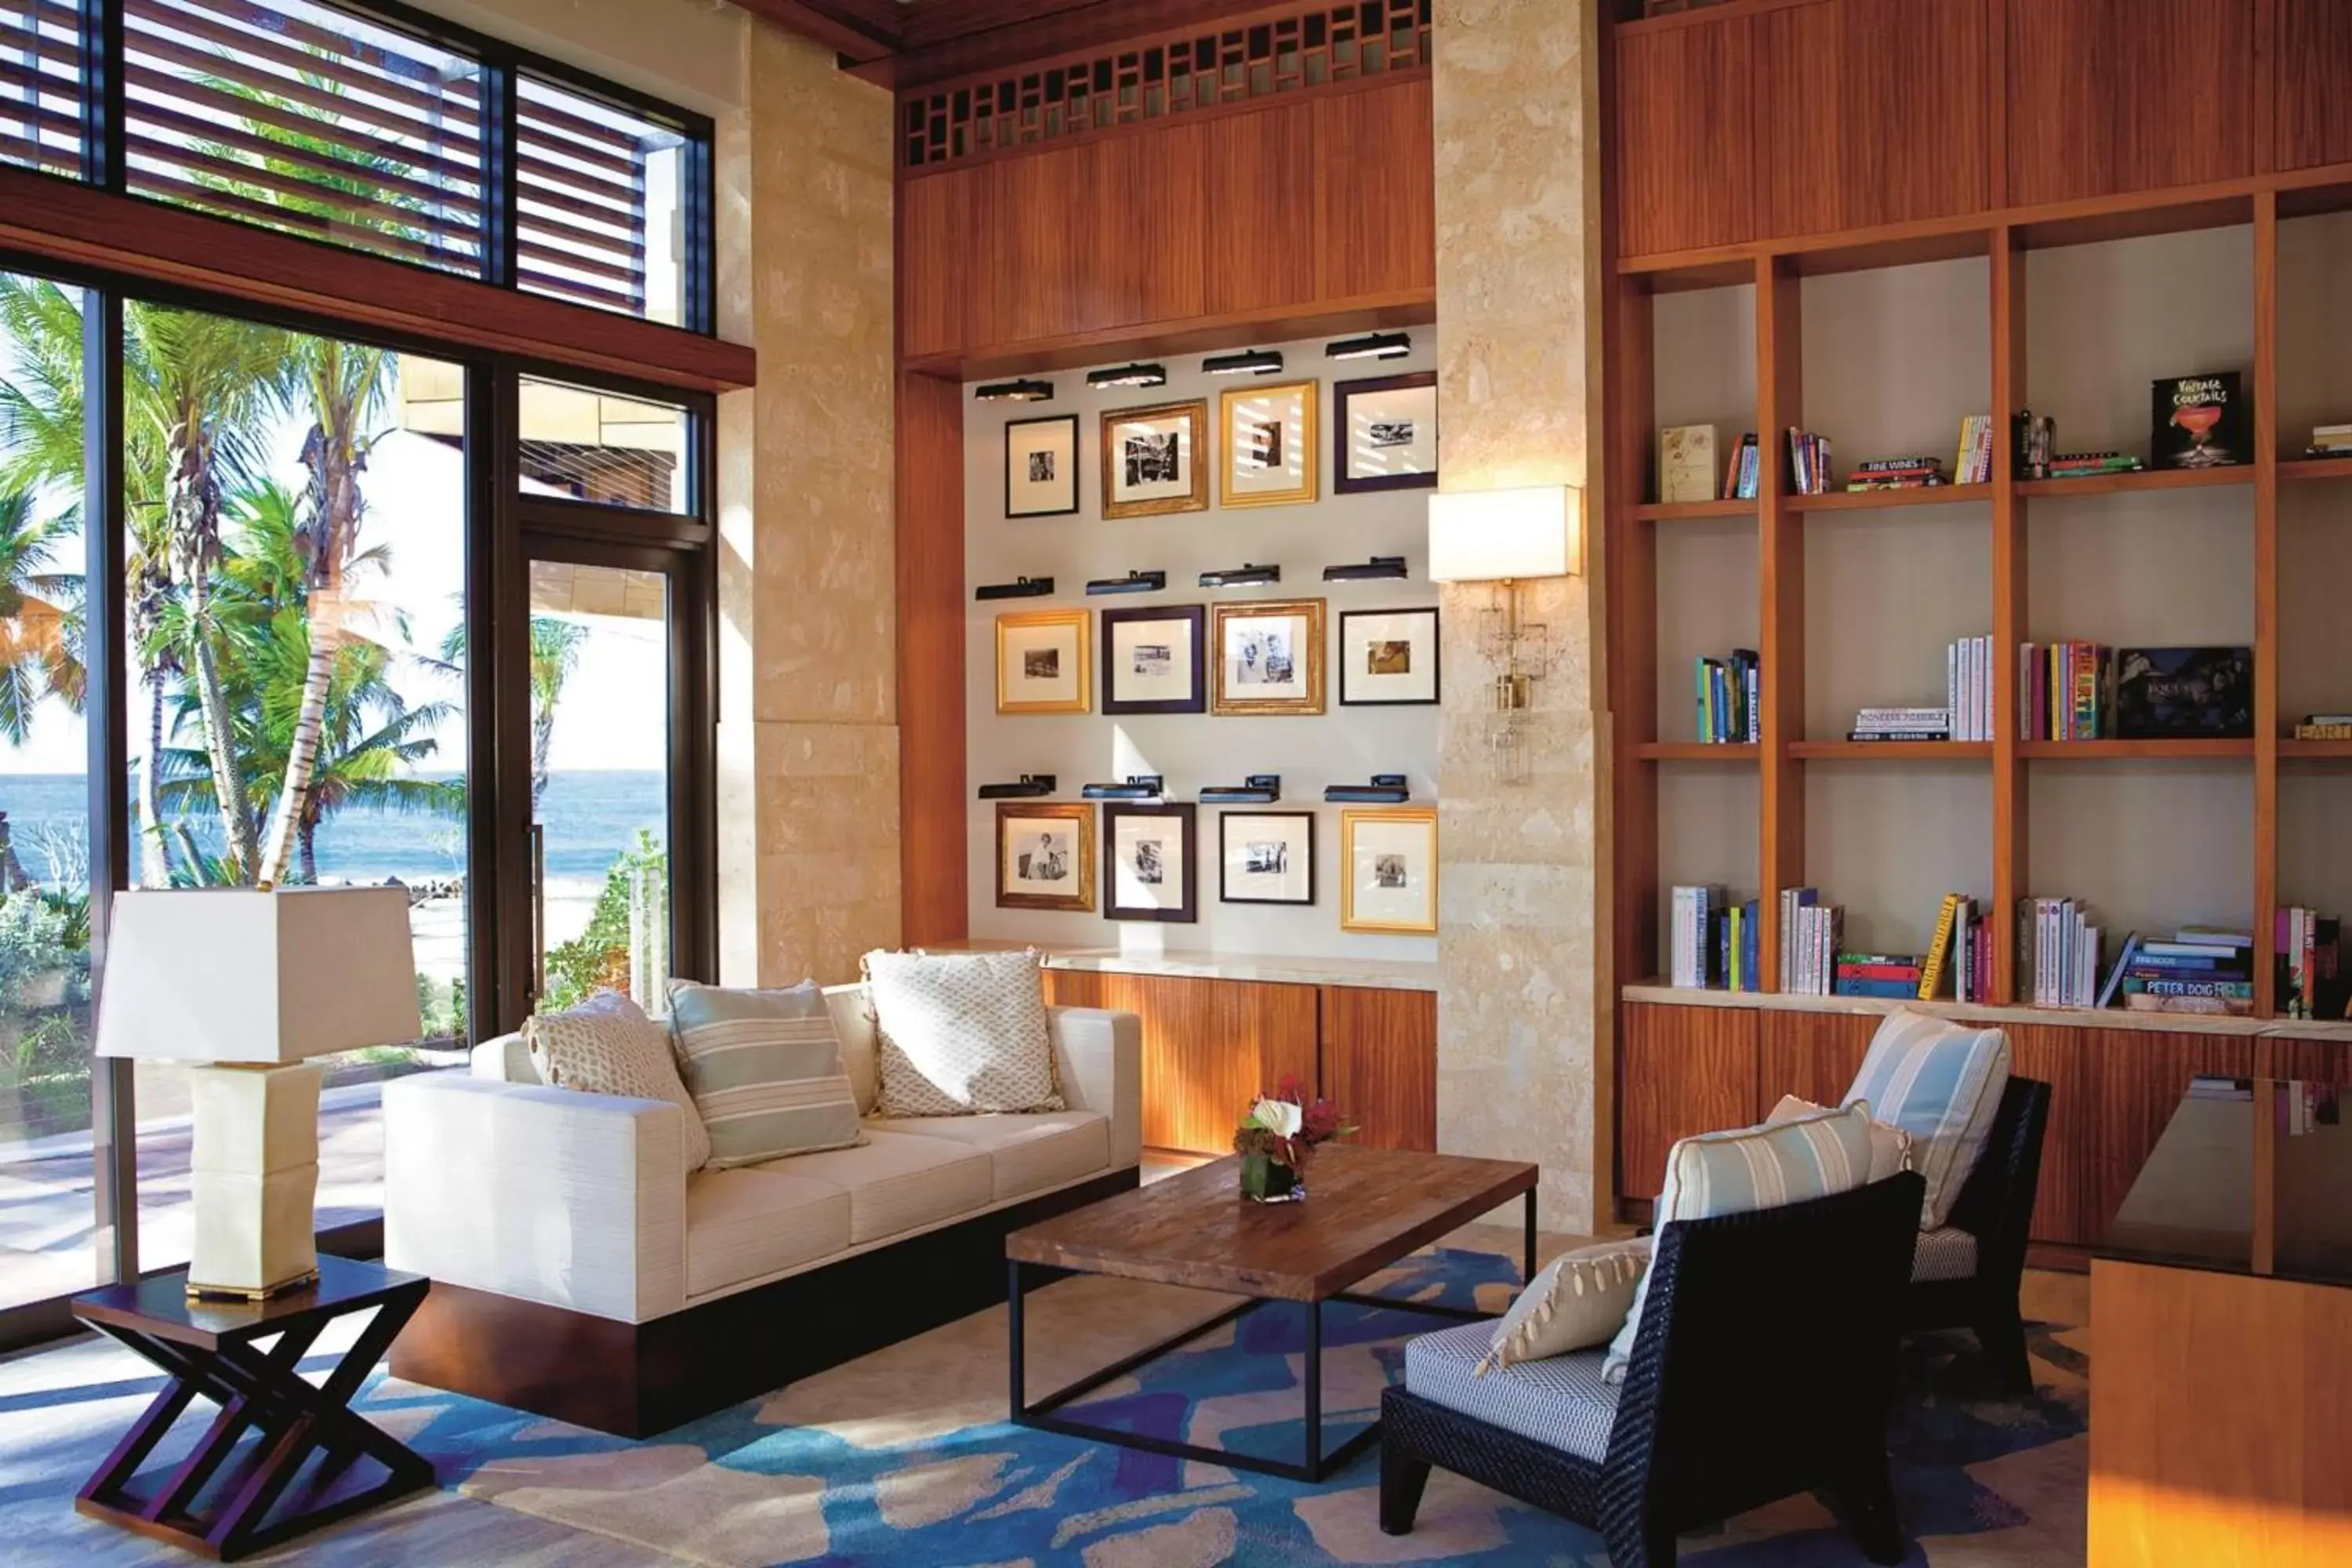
[905, 1457]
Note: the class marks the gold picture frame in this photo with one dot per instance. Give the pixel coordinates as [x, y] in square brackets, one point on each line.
[1387, 861]
[1282, 423]
[1269, 655]
[1163, 473]
[1026, 850]
[1043, 662]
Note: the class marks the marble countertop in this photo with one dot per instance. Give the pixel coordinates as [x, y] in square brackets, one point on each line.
[1372, 973]
[1981, 1013]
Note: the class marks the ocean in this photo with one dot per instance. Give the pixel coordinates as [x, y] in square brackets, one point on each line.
[590, 818]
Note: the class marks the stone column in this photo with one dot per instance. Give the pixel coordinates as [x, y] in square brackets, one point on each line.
[1524, 1060]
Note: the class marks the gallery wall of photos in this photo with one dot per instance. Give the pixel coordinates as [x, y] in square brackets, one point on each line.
[1323, 463]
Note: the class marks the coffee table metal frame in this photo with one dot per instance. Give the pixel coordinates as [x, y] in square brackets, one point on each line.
[1039, 1414]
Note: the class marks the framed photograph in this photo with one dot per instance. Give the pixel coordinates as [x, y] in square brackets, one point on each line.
[1272, 453]
[1388, 658]
[1385, 433]
[1151, 460]
[1156, 660]
[1041, 662]
[1148, 866]
[1265, 857]
[1390, 854]
[1044, 856]
[1269, 657]
[1041, 467]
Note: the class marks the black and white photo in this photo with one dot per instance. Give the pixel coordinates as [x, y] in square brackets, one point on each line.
[1152, 459]
[1042, 662]
[1041, 467]
[1269, 657]
[1148, 863]
[1266, 858]
[1044, 856]
[1155, 660]
[1388, 657]
[1389, 857]
[1270, 444]
[1385, 433]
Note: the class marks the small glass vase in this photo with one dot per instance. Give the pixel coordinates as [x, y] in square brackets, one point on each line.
[1265, 1180]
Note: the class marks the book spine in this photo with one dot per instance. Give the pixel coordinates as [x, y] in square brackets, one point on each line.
[1907, 972]
[1931, 972]
[1886, 990]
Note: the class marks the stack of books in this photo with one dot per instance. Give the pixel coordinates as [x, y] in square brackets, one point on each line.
[2197, 969]
[1810, 933]
[1963, 948]
[2330, 441]
[1967, 688]
[2081, 465]
[2310, 984]
[1897, 474]
[1736, 947]
[1696, 911]
[2325, 727]
[1890, 976]
[2065, 691]
[1973, 466]
[1901, 724]
[1745, 474]
[1809, 463]
[1730, 692]
[2057, 954]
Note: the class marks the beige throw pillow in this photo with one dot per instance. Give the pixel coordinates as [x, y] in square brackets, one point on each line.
[1579, 1303]
[607, 1046]
[961, 1033]
[1890, 1146]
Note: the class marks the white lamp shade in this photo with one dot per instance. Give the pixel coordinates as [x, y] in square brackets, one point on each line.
[237, 974]
[1485, 536]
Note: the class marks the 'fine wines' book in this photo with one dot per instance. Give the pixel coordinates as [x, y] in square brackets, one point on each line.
[2201, 421]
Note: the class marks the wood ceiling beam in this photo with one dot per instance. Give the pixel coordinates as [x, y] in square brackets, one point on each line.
[862, 31]
[951, 38]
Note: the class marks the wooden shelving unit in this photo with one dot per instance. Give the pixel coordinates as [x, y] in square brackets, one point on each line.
[1872, 500]
[1681, 510]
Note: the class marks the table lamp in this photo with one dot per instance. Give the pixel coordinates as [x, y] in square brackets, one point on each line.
[248, 983]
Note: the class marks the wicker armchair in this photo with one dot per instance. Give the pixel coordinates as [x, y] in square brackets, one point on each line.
[1764, 1366]
[1996, 1210]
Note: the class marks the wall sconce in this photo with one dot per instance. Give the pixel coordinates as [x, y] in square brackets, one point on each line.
[1138, 786]
[1371, 345]
[1129, 376]
[1031, 786]
[1258, 789]
[1250, 361]
[1133, 583]
[1025, 390]
[1385, 789]
[1506, 537]
[1378, 569]
[1249, 574]
[1025, 588]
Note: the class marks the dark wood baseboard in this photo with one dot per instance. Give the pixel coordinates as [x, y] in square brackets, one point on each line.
[634, 1380]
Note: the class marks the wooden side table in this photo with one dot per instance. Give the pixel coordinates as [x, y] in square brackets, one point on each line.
[208, 1348]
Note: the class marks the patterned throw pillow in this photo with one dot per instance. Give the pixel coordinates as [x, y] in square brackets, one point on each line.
[1815, 1156]
[1890, 1146]
[961, 1033]
[1942, 1083]
[607, 1046]
[1579, 1303]
[764, 1069]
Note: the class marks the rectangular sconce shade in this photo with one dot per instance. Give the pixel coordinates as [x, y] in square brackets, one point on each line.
[1485, 536]
[240, 975]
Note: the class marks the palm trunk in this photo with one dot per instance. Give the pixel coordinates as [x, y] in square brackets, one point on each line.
[302, 755]
[335, 463]
[220, 748]
[154, 848]
[309, 861]
[543, 736]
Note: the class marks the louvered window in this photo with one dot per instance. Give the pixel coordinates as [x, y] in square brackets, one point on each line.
[41, 73]
[307, 119]
[600, 211]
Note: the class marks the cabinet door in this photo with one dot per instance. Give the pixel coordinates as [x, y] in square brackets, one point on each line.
[2108, 96]
[1040, 229]
[2133, 1081]
[1680, 1070]
[2317, 1061]
[2054, 1054]
[1379, 1064]
[1685, 140]
[2315, 61]
[1261, 190]
[1812, 1055]
[944, 303]
[1152, 221]
[1375, 192]
[1209, 1047]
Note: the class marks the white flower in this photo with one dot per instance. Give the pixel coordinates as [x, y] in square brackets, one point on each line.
[1279, 1117]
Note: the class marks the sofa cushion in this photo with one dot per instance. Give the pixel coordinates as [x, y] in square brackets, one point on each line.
[1030, 1152]
[852, 1026]
[1561, 1401]
[961, 1032]
[747, 1223]
[607, 1046]
[1946, 1252]
[1941, 1082]
[503, 1059]
[764, 1069]
[1579, 1303]
[1890, 1146]
[897, 1182]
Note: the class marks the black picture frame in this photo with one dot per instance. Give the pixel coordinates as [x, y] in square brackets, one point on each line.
[1187, 912]
[1344, 481]
[1225, 820]
[1076, 501]
[1349, 679]
[1195, 617]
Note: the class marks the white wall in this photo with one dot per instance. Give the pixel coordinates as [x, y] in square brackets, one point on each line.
[1343, 745]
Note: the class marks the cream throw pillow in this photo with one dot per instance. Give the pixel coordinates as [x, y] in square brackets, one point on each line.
[1579, 1303]
[607, 1046]
[958, 1033]
[1890, 1146]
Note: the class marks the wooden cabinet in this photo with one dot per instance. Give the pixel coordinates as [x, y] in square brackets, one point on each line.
[941, 305]
[1151, 194]
[1041, 243]
[1680, 1070]
[2132, 1082]
[1812, 1055]
[1375, 192]
[1260, 250]
[2320, 1061]
[1685, 137]
[2315, 61]
[2053, 1054]
[1379, 1064]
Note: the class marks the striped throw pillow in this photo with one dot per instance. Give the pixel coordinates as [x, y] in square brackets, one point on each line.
[1941, 1082]
[764, 1069]
[1780, 1163]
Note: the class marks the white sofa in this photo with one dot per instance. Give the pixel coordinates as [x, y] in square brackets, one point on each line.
[513, 1195]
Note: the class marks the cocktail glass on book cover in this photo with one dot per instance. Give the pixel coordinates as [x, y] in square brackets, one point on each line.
[2201, 421]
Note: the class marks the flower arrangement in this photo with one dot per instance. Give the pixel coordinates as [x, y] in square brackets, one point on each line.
[1277, 1138]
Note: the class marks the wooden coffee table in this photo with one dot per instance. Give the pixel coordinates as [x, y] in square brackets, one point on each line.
[1365, 1209]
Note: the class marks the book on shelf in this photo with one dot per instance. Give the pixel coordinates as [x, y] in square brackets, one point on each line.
[1967, 688]
[1738, 946]
[1896, 474]
[2081, 464]
[1729, 694]
[1888, 975]
[1809, 463]
[2200, 421]
[2196, 969]
[1939, 947]
[1972, 464]
[1810, 933]
[2330, 441]
[1686, 463]
[2065, 691]
[1742, 478]
[1695, 912]
[1900, 724]
[2309, 976]
[2058, 951]
[2181, 694]
[2325, 727]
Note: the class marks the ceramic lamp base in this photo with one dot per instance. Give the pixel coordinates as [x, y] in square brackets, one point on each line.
[255, 1177]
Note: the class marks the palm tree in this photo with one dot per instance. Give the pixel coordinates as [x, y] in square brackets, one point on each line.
[40, 618]
[555, 646]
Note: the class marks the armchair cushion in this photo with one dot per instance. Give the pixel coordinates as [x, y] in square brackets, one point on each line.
[1562, 1402]
[1890, 1146]
[1579, 1303]
[961, 1033]
[764, 1069]
[608, 1046]
[1946, 1252]
[1941, 1082]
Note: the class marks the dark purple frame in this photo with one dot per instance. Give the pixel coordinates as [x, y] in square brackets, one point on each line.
[1198, 614]
[1341, 392]
[1186, 913]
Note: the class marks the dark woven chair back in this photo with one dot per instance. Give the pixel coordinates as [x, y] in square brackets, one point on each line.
[1996, 1206]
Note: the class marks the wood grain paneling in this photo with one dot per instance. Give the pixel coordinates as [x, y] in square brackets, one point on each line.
[2315, 82]
[942, 306]
[2108, 96]
[1260, 241]
[933, 822]
[1151, 192]
[2318, 1061]
[1379, 1064]
[1853, 131]
[2061, 1204]
[1210, 1046]
[2132, 1083]
[1685, 137]
[1812, 1055]
[1040, 226]
[1680, 1070]
[1375, 190]
[2220, 1416]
